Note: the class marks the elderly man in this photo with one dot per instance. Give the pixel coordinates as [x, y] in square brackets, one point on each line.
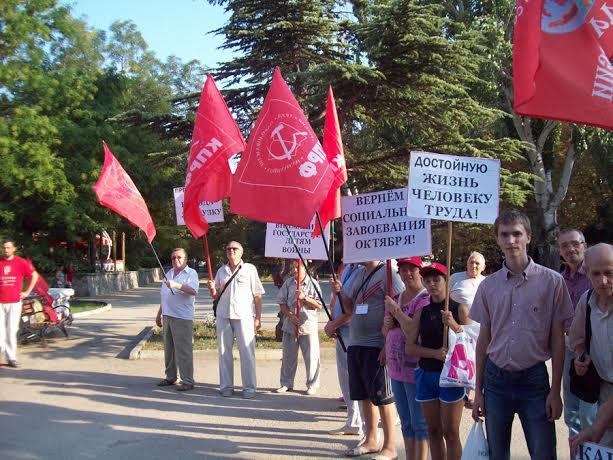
[599, 267]
[464, 284]
[236, 289]
[13, 270]
[522, 309]
[178, 294]
[571, 246]
[300, 330]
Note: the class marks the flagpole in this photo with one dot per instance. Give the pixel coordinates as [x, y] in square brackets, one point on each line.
[207, 255]
[160, 264]
[298, 290]
[449, 235]
[321, 299]
[323, 238]
[388, 266]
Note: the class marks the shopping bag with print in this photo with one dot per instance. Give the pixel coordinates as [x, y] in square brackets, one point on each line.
[476, 447]
[459, 367]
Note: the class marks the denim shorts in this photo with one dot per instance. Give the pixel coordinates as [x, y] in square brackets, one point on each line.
[428, 388]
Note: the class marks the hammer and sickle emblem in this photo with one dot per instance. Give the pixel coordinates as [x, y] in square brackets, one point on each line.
[288, 151]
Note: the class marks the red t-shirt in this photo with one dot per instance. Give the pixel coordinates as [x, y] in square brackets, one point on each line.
[12, 273]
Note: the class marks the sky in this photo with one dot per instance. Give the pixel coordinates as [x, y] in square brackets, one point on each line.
[169, 27]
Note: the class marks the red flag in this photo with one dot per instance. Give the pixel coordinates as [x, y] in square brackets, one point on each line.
[215, 139]
[284, 174]
[116, 191]
[561, 60]
[333, 146]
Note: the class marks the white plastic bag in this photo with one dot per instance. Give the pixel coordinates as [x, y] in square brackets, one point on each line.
[476, 447]
[459, 368]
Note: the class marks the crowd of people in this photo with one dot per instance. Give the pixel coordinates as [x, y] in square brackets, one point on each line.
[391, 344]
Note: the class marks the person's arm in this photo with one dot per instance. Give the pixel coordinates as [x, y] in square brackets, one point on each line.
[485, 337]
[183, 287]
[594, 433]
[33, 280]
[158, 317]
[553, 405]
[257, 301]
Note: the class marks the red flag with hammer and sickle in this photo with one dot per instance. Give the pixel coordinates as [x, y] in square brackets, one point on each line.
[284, 174]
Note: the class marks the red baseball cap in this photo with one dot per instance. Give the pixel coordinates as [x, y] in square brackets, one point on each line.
[410, 261]
[433, 267]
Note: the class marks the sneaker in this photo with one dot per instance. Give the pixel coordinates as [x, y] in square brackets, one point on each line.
[12, 363]
[282, 389]
[346, 431]
[248, 394]
[311, 391]
[227, 392]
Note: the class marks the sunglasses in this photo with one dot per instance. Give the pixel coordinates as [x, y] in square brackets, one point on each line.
[177, 257]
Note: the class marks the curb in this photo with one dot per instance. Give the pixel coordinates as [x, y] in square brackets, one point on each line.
[136, 352]
[84, 314]
[260, 354]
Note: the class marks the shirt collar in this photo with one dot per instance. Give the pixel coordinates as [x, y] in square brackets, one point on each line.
[529, 270]
[580, 272]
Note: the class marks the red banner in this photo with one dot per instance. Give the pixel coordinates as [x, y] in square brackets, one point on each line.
[333, 146]
[215, 139]
[284, 174]
[561, 60]
[115, 190]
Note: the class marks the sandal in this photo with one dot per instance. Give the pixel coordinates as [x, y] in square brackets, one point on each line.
[165, 383]
[359, 450]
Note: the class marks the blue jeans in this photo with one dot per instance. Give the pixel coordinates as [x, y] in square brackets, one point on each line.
[412, 418]
[577, 414]
[524, 393]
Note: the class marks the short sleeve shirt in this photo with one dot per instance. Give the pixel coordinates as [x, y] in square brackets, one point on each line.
[308, 317]
[576, 284]
[464, 288]
[520, 310]
[368, 296]
[400, 366]
[237, 300]
[12, 273]
[180, 305]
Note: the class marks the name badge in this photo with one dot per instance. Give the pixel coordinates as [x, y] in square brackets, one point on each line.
[361, 309]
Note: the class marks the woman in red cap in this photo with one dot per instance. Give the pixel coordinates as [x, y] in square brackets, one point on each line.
[442, 407]
[400, 365]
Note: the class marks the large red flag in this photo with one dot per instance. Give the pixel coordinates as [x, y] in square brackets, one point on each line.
[333, 146]
[116, 191]
[561, 60]
[284, 174]
[215, 139]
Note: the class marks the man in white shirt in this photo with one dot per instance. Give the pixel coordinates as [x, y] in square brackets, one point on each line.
[236, 318]
[177, 310]
[464, 284]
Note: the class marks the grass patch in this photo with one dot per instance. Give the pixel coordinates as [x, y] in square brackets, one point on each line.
[78, 306]
[205, 338]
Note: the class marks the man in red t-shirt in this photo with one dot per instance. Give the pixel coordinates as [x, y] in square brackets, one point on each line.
[13, 270]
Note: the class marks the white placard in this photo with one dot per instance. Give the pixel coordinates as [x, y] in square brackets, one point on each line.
[590, 451]
[279, 244]
[447, 187]
[212, 211]
[376, 227]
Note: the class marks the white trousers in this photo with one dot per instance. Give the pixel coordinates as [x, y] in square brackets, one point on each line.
[243, 330]
[9, 326]
[354, 417]
[309, 345]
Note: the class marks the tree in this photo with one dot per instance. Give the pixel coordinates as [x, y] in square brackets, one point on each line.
[552, 149]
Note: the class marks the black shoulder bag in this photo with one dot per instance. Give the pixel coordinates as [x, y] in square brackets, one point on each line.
[586, 387]
[216, 301]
